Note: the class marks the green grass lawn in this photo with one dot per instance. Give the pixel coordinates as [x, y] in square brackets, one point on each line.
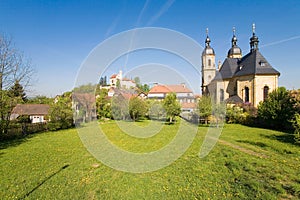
[56, 165]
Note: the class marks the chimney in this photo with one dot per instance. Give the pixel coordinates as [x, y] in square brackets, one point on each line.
[183, 85]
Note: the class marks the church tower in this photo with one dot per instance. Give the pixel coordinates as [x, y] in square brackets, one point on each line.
[234, 51]
[208, 65]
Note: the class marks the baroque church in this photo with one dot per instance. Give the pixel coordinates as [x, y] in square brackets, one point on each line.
[239, 79]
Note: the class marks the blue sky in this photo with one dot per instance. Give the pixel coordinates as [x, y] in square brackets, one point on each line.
[59, 35]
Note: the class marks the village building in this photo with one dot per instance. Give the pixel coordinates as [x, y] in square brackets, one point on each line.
[124, 82]
[239, 79]
[84, 106]
[37, 112]
[184, 95]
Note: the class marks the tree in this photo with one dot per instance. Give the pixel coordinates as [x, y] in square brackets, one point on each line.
[296, 125]
[205, 107]
[103, 81]
[61, 113]
[103, 104]
[7, 103]
[17, 91]
[118, 84]
[137, 108]
[156, 110]
[119, 107]
[40, 100]
[171, 106]
[14, 68]
[137, 80]
[143, 88]
[278, 110]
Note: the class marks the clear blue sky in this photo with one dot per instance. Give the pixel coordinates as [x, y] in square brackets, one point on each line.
[58, 35]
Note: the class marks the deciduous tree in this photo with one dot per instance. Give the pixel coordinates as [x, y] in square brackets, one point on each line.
[278, 109]
[171, 106]
[137, 108]
[205, 107]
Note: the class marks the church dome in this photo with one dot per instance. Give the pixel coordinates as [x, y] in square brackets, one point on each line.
[208, 49]
[234, 51]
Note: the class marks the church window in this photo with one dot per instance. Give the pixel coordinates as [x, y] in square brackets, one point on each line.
[209, 62]
[221, 95]
[246, 94]
[266, 92]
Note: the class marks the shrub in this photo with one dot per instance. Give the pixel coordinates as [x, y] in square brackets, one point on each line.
[296, 125]
[278, 110]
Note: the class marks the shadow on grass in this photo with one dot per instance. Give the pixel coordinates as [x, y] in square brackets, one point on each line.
[42, 182]
[13, 142]
[284, 138]
[260, 144]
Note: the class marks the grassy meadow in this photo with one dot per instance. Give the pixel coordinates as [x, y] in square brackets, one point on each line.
[247, 163]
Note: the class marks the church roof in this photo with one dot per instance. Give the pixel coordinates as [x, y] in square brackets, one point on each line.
[228, 69]
[251, 64]
[254, 63]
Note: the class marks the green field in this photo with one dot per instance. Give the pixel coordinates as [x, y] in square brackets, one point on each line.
[247, 163]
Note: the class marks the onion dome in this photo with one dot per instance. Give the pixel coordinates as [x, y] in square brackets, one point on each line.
[208, 49]
[234, 51]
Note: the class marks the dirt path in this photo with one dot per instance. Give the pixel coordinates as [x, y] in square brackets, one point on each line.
[242, 149]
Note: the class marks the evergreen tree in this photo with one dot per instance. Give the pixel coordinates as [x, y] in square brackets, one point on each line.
[103, 104]
[17, 91]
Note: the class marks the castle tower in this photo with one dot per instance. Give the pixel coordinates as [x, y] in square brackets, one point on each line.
[234, 51]
[208, 65]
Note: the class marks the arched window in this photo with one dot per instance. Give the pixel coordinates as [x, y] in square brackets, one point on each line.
[209, 62]
[266, 92]
[221, 95]
[246, 94]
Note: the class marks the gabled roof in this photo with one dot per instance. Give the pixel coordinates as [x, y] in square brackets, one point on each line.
[31, 109]
[169, 88]
[253, 64]
[84, 98]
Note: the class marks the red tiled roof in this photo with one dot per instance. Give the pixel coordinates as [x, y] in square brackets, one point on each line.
[170, 88]
[31, 109]
[113, 76]
[159, 89]
[188, 105]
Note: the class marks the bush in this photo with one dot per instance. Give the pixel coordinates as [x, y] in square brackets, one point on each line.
[278, 110]
[296, 125]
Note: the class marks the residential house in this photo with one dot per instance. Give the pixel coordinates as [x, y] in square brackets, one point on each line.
[37, 112]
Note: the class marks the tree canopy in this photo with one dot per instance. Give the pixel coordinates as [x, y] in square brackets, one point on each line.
[278, 109]
[171, 106]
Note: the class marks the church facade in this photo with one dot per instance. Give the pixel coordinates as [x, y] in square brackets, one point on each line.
[239, 79]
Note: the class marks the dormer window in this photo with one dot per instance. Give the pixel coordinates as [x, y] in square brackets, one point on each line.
[262, 63]
[241, 67]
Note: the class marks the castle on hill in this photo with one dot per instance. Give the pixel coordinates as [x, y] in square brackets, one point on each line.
[239, 79]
